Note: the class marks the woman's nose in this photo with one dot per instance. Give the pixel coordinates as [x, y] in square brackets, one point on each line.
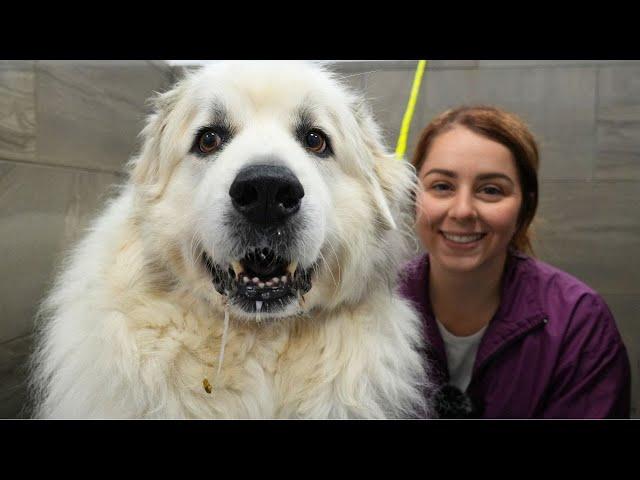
[463, 207]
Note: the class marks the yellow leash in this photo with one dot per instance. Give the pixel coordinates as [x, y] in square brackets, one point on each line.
[401, 147]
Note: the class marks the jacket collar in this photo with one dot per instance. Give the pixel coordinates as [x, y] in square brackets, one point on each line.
[519, 312]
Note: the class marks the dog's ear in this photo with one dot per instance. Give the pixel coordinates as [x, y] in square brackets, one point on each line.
[392, 181]
[381, 202]
[151, 165]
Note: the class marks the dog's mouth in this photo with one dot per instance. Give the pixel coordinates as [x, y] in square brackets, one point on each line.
[260, 281]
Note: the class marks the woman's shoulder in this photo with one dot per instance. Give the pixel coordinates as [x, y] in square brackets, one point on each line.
[570, 304]
[551, 281]
[412, 277]
[415, 267]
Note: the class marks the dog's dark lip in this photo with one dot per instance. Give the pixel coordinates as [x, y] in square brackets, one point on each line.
[258, 293]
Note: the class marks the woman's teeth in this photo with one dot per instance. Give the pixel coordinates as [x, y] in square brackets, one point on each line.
[463, 238]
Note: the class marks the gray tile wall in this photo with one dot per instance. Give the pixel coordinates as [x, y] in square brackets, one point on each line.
[586, 116]
[66, 131]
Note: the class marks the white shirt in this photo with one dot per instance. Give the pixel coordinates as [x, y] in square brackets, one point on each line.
[461, 354]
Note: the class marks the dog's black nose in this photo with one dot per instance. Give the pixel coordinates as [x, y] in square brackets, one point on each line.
[266, 194]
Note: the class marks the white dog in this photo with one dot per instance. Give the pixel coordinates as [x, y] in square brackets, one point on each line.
[247, 268]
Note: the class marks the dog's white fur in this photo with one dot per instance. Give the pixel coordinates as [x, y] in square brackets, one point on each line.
[133, 325]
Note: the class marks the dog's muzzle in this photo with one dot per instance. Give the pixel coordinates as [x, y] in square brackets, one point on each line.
[265, 278]
[260, 281]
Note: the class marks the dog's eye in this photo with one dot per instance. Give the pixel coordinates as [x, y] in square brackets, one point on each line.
[209, 141]
[315, 141]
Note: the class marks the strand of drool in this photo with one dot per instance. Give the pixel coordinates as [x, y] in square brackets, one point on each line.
[224, 339]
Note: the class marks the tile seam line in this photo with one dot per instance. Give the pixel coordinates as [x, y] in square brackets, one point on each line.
[65, 167]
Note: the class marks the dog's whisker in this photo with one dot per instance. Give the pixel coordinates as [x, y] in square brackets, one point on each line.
[359, 74]
[333, 250]
[328, 267]
[194, 248]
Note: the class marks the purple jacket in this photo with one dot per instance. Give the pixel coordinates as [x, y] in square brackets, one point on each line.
[552, 350]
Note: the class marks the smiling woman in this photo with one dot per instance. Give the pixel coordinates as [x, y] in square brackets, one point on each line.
[519, 337]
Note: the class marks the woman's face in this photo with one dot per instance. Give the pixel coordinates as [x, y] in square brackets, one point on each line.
[470, 200]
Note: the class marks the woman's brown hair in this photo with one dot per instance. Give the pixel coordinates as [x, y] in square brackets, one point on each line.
[506, 129]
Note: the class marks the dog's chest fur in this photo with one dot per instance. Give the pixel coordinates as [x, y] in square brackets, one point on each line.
[305, 367]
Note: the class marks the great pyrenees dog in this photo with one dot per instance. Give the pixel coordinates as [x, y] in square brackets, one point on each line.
[247, 268]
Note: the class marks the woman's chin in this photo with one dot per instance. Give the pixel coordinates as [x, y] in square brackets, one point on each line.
[459, 264]
[469, 262]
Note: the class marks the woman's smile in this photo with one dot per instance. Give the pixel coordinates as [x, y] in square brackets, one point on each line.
[462, 241]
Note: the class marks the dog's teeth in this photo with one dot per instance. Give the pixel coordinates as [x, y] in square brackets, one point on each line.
[245, 279]
[275, 280]
[237, 267]
[292, 267]
[255, 280]
[283, 279]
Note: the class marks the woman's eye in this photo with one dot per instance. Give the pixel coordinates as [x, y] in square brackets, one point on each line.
[315, 141]
[209, 141]
[493, 191]
[441, 187]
